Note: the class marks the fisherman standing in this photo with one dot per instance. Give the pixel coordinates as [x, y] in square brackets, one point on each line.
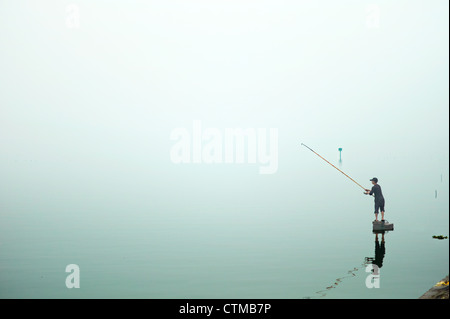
[379, 199]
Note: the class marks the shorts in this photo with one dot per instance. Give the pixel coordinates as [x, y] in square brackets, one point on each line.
[379, 205]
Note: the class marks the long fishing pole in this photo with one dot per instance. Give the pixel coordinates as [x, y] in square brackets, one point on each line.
[334, 166]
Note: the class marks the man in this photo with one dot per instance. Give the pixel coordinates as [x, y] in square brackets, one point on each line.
[379, 199]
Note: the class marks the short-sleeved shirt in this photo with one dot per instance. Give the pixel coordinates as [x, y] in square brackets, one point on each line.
[376, 190]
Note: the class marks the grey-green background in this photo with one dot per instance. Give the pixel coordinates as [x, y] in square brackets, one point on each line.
[85, 172]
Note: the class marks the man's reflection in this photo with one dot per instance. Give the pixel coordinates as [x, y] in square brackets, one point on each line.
[380, 251]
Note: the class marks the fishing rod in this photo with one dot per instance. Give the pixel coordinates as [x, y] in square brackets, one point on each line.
[334, 167]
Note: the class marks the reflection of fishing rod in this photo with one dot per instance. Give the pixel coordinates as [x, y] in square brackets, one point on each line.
[351, 273]
[334, 166]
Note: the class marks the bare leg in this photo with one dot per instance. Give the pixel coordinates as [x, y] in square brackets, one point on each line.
[376, 216]
[382, 215]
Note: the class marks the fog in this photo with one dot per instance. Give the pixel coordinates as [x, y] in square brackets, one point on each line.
[91, 93]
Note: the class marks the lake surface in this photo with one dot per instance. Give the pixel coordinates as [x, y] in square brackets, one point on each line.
[93, 97]
[236, 234]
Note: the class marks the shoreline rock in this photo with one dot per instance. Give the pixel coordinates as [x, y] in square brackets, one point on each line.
[438, 291]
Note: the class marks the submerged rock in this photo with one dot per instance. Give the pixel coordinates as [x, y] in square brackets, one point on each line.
[439, 237]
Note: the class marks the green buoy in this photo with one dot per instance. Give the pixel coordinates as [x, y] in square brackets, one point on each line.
[340, 153]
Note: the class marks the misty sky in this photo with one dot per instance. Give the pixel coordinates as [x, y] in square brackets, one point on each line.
[88, 102]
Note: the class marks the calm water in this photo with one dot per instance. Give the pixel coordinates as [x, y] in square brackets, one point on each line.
[237, 235]
[89, 98]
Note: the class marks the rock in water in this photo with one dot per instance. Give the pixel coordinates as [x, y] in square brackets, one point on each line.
[438, 291]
